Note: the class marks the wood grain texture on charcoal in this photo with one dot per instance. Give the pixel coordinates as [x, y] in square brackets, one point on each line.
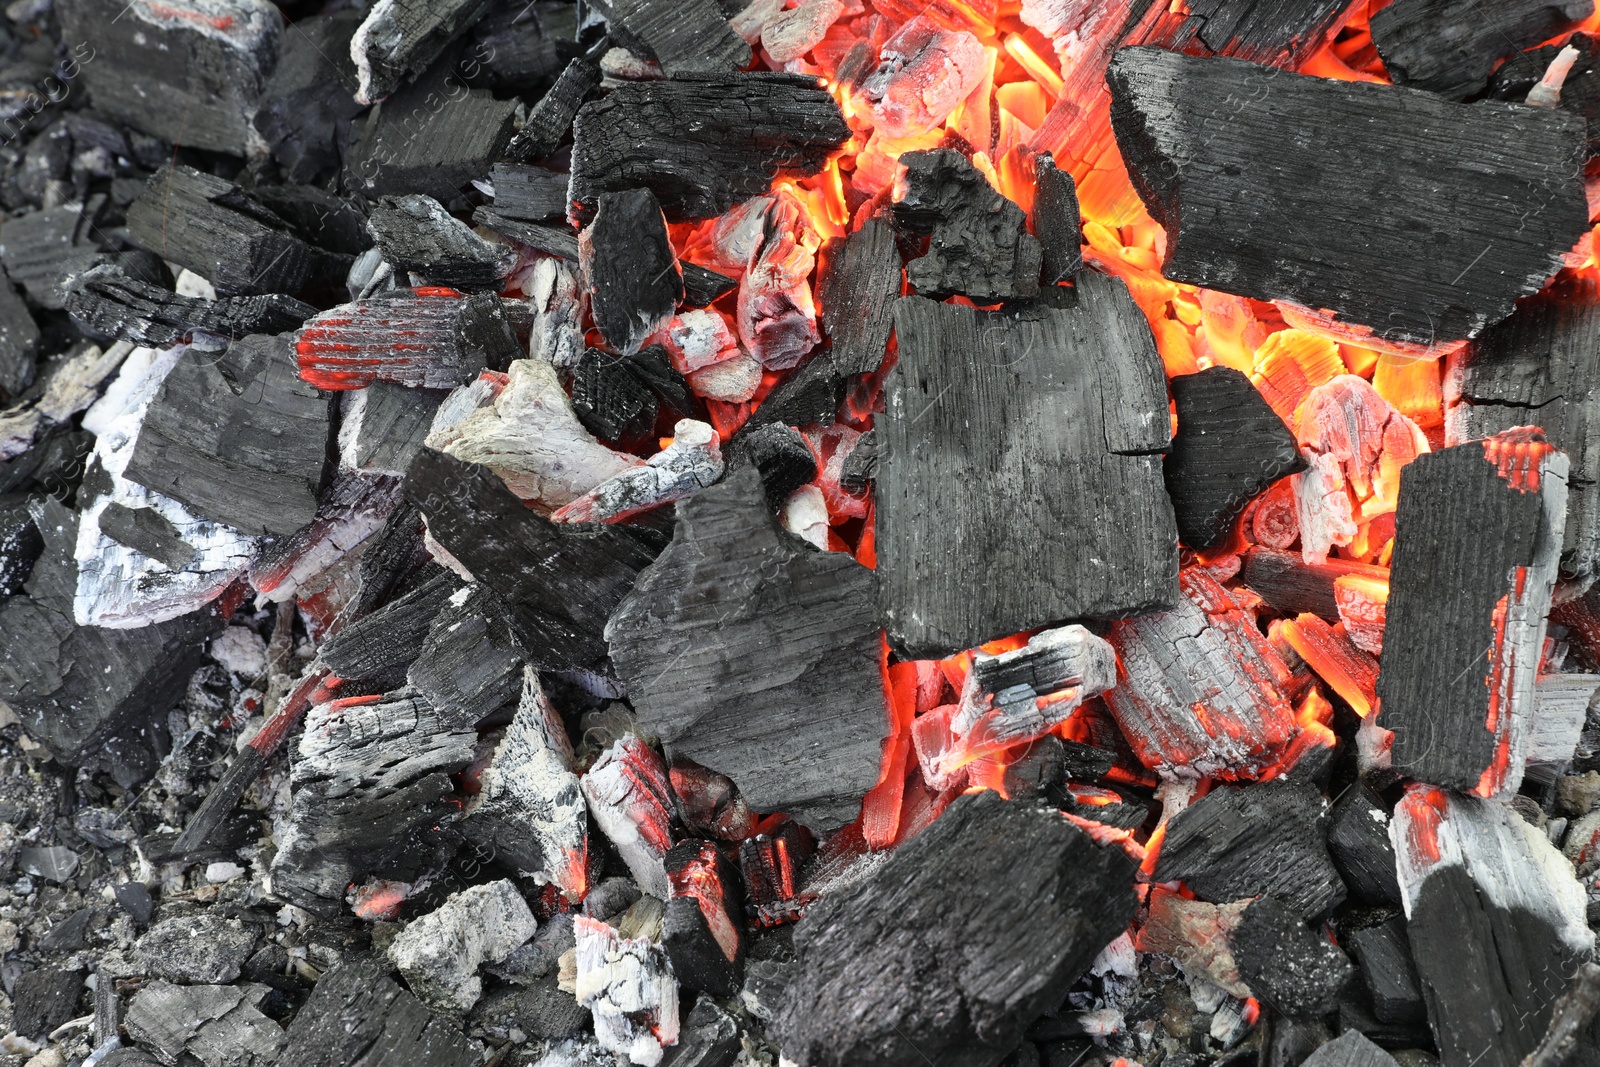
[400, 38]
[1290, 585]
[629, 268]
[796, 714]
[298, 115]
[1280, 32]
[683, 36]
[359, 1016]
[550, 120]
[108, 303]
[1393, 208]
[1448, 47]
[1019, 481]
[1056, 221]
[857, 286]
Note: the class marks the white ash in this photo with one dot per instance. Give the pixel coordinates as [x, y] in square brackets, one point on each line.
[692, 462]
[439, 953]
[1561, 707]
[1088, 667]
[698, 339]
[241, 651]
[628, 985]
[793, 33]
[558, 301]
[73, 387]
[733, 381]
[191, 284]
[805, 514]
[630, 801]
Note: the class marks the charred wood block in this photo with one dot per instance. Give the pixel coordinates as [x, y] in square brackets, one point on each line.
[1007, 430]
[525, 48]
[782, 628]
[428, 338]
[611, 401]
[327, 220]
[771, 865]
[1257, 840]
[1056, 220]
[439, 953]
[978, 242]
[106, 303]
[1291, 586]
[554, 587]
[1285, 964]
[550, 120]
[241, 441]
[704, 934]
[43, 999]
[702, 285]
[42, 248]
[551, 240]
[1230, 446]
[809, 396]
[417, 234]
[19, 338]
[1426, 44]
[1462, 226]
[1199, 688]
[1350, 1049]
[683, 36]
[703, 143]
[400, 38]
[952, 976]
[1495, 920]
[528, 193]
[1383, 952]
[189, 72]
[709, 803]
[782, 456]
[302, 114]
[630, 269]
[384, 644]
[1541, 367]
[630, 800]
[1358, 840]
[1467, 607]
[709, 1038]
[411, 144]
[216, 230]
[468, 666]
[382, 426]
[1283, 33]
[358, 1016]
[857, 287]
[84, 690]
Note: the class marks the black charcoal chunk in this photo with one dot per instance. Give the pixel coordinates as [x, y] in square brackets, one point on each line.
[190, 72]
[241, 441]
[857, 287]
[1283, 33]
[417, 234]
[528, 193]
[336, 222]
[43, 999]
[484, 334]
[202, 947]
[1008, 432]
[953, 973]
[978, 241]
[1541, 366]
[1351, 1049]
[1383, 953]
[683, 36]
[106, 303]
[310, 97]
[85, 692]
[358, 1016]
[1230, 446]
[551, 240]
[19, 337]
[1290, 585]
[134, 898]
[1238, 842]
[611, 401]
[1284, 963]
[208, 1024]
[215, 229]
[384, 644]
[525, 46]
[782, 456]
[703, 143]
[555, 587]
[384, 426]
[1358, 840]
[42, 248]
[468, 667]
[703, 932]
[400, 38]
[540, 1011]
[630, 269]
[149, 531]
[411, 143]
[550, 120]
[702, 285]
[708, 1037]
[1056, 221]
[1427, 44]
[1329, 199]
[20, 544]
[809, 396]
[783, 628]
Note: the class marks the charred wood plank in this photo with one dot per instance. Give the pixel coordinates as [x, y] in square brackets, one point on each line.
[429, 337]
[1230, 446]
[630, 268]
[1428, 44]
[1291, 586]
[411, 144]
[1541, 367]
[1467, 607]
[857, 286]
[703, 143]
[952, 976]
[978, 242]
[528, 193]
[1419, 239]
[1006, 430]
[782, 628]
[42, 248]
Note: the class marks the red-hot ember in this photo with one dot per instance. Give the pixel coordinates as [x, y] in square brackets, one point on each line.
[700, 880]
[1517, 454]
[771, 864]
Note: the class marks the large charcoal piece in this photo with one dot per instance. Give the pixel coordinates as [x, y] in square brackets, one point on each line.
[240, 440]
[190, 72]
[555, 587]
[107, 303]
[468, 666]
[1449, 48]
[703, 143]
[683, 36]
[634, 280]
[1358, 839]
[399, 38]
[381, 646]
[359, 1016]
[300, 115]
[1019, 476]
[1496, 923]
[1281, 32]
[1230, 446]
[430, 138]
[956, 944]
[796, 716]
[1541, 366]
[215, 229]
[978, 241]
[857, 287]
[1392, 208]
[84, 691]
[1239, 842]
[1467, 605]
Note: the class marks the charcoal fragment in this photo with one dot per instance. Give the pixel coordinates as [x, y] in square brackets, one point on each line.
[43, 999]
[630, 269]
[1358, 840]
[107, 303]
[857, 287]
[358, 1016]
[1425, 48]
[309, 100]
[417, 234]
[399, 39]
[550, 120]
[683, 36]
[1056, 221]
[1285, 963]
[979, 245]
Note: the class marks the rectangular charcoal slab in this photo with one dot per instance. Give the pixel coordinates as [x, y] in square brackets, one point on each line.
[1477, 540]
[703, 143]
[1541, 367]
[860, 279]
[1393, 208]
[1019, 480]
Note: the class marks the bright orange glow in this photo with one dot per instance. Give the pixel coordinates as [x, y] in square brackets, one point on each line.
[1039, 70]
[1413, 387]
[1291, 363]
